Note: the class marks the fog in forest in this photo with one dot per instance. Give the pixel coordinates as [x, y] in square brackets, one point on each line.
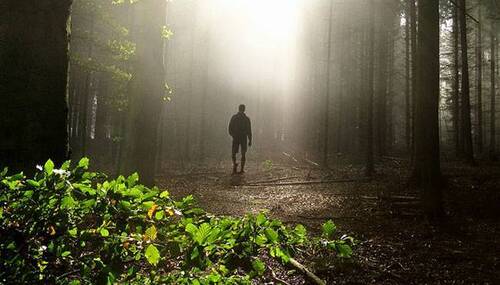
[298, 66]
[249, 142]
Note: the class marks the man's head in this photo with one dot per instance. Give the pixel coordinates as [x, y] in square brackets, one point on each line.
[241, 108]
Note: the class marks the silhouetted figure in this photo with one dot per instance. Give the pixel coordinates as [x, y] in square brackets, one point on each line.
[240, 129]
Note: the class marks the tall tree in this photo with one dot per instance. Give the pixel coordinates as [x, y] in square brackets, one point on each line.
[146, 92]
[455, 98]
[328, 88]
[33, 81]
[479, 83]
[465, 106]
[493, 45]
[407, 79]
[413, 41]
[369, 167]
[427, 169]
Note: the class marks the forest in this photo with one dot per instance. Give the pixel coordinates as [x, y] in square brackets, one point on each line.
[249, 142]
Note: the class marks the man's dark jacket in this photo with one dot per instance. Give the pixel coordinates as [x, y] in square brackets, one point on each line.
[240, 127]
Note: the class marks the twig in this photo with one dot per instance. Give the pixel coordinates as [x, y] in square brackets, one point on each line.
[310, 182]
[307, 272]
[276, 278]
[273, 180]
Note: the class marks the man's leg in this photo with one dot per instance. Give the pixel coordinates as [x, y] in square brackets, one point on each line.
[243, 160]
[234, 151]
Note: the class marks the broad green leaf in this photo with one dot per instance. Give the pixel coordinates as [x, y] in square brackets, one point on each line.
[66, 165]
[202, 233]
[48, 167]
[192, 229]
[261, 240]
[83, 163]
[260, 219]
[344, 250]
[195, 253]
[73, 232]
[300, 230]
[328, 228]
[159, 215]
[4, 172]
[271, 235]
[132, 179]
[259, 266]
[152, 254]
[104, 232]
[67, 202]
[33, 183]
[28, 194]
[151, 233]
[66, 253]
[164, 194]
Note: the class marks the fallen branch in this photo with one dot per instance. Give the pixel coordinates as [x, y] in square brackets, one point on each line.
[276, 278]
[273, 180]
[307, 272]
[310, 182]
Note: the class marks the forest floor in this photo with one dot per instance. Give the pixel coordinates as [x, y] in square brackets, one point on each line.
[396, 245]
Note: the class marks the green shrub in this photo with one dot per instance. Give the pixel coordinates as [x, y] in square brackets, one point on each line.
[72, 226]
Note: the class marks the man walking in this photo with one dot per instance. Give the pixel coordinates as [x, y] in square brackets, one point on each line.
[240, 129]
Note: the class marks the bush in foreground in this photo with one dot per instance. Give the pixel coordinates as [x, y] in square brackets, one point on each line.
[72, 226]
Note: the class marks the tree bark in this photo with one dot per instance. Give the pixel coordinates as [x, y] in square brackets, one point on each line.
[493, 44]
[326, 115]
[407, 81]
[427, 162]
[456, 89]
[413, 33]
[33, 82]
[479, 83]
[466, 110]
[369, 167]
[147, 90]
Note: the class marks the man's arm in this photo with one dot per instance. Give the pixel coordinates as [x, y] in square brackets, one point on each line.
[249, 132]
[231, 127]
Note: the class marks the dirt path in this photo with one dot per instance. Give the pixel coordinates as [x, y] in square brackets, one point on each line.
[397, 246]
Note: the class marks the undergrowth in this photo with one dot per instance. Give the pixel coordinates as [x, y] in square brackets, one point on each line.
[68, 225]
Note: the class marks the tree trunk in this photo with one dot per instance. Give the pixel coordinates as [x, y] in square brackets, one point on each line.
[33, 82]
[479, 83]
[493, 41]
[413, 33]
[466, 110]
[427, 163]
[407, 82]
[456, 89]
[147, 90]
[326, 115]
[369, 167]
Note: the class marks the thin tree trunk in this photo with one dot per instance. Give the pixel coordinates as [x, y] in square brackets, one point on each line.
[456, 84]
[369, 168]
[479, 89]
[427, 161]
[413, 33]
[326, 114]
[407, 82]
[147, 91]
[466, 110]
[493, 41]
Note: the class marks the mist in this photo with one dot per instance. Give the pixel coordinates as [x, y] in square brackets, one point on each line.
[249, 141]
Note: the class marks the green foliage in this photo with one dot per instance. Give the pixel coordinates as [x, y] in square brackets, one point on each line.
[69, 225]
[166, 32]
[268, 165]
